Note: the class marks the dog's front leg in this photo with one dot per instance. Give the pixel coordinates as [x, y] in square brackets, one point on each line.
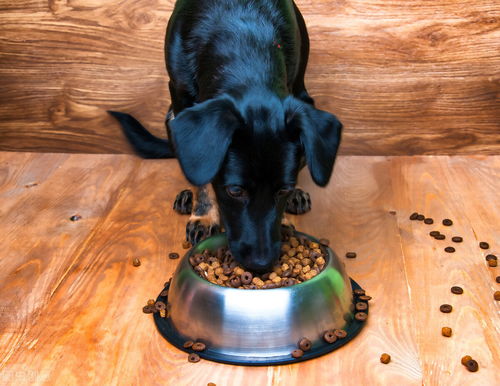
[204, 220]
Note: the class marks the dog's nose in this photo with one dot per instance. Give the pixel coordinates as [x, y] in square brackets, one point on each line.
[258, 266]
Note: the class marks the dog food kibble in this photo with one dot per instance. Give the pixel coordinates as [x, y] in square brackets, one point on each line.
[490, 257]
[329, 336]
[148, 309]
[385, 358]
[186, 244]
[360, 306]
[305, 344]
[420, 217]
[449, 249]
[297, 353]
[350, 255]
[151, 302]
[300, 260]
[472, 365]
[447, 222]
[413, 216]
[75, 217]
[457, 290]
[457, 239]
[339, 333]
[465, 359]
[428, 220]
[136, 262]
[160, 305]
[498, 279]
[365, 298]
[446, 331]
[361, 316]
[446, 308]
[496, 295]
[492, 263]
[484, 245]
[163, 313]
[324, 242]
[188, 344]
[434, 233]
[440, 237]
[193, 358]
[173, 255]
[198, 346]
[359, 292]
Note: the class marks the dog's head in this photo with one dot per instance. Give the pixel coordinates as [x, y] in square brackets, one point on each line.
[251, 151]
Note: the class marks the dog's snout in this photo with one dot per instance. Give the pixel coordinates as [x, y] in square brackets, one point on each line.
[256, 258]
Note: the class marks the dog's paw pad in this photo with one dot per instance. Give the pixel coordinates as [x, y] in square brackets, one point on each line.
[299, 202]
[196, 231]
[183, 203]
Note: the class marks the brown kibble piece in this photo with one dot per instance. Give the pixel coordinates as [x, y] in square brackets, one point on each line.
[173, 255]
[151, 302]
[428, 221]
[149, 309]
[193, 358]
[359, 292]
[420, 217]
[360, 306]
[297, 353]
[159, 305]
[446, 308]
[305, 344]
[385, 358]
[484, 245]
[198, 346]
[465, 359]
[472, 365]
[350, 255]
[446, 331]
[496, 295]
[365, 298]
[490, 257]
[457, 239]
[457, 290]
[136, 262]
[361, 316]
[440, 237]
[492, 263]
[246, 277]
[447, 222]
[498, 279]
[434, 233]
[324, 242]
[449, 249]
[339, 333]
[413, 216]
[211, 384]
[329, 336]
[188, 344]
[186, 244]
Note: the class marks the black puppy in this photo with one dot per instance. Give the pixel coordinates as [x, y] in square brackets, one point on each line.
[244, 121]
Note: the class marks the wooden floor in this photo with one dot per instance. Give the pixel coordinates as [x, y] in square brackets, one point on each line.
[70, 299]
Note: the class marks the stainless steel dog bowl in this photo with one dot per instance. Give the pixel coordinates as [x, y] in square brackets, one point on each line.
[257, 327]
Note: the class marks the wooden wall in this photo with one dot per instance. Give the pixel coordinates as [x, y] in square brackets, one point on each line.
[404, 76]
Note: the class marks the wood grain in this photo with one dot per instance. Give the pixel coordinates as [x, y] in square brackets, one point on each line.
[405, 77]
[70, 299]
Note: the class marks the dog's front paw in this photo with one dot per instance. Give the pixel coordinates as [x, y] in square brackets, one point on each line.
[198, 230]
[299, 202]
[183, 203]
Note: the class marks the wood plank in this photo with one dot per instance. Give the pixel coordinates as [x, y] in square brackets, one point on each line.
[464, 190]
[405, 77]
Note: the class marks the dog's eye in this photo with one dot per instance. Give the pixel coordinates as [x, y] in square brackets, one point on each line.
[285, 191]
[236, 191]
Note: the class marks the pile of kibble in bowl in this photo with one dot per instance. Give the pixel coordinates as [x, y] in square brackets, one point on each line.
[301, 259]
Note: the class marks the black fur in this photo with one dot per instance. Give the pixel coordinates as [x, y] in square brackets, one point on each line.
[243, 116]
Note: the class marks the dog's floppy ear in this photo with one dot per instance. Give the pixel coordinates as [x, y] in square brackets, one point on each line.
[201, 136]
[320, 136]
